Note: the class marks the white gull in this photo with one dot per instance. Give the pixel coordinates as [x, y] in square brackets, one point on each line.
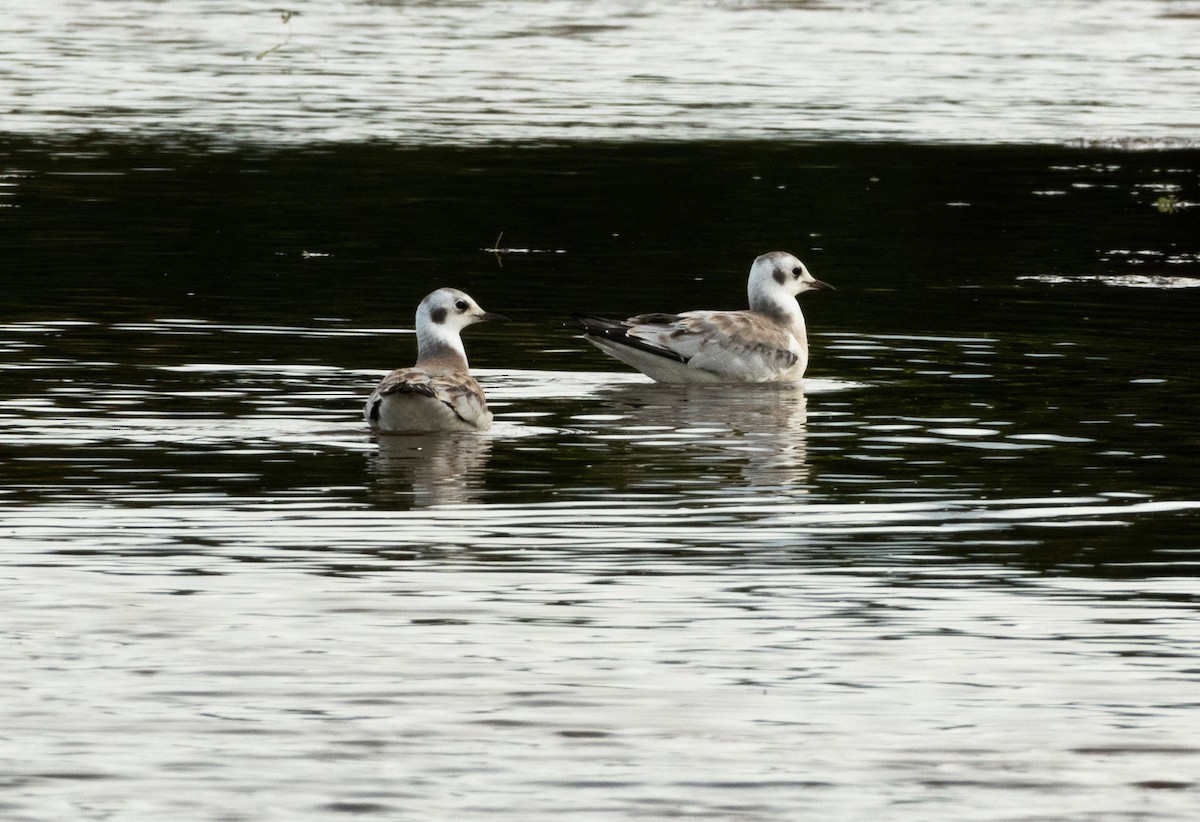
[438, 393]
[767, 343]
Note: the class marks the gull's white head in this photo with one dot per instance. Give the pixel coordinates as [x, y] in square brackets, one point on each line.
[442, 316]
[777, 275]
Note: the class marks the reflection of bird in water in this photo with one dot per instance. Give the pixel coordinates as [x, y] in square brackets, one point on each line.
[767, 343]
[438, 393]
[441, 469]
[761, 428]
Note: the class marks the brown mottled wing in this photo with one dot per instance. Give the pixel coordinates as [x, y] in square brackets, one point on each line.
[457, 390]
[736, 343]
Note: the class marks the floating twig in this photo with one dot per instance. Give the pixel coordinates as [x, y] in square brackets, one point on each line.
[500, 250]
[286, 17]
[287, 21]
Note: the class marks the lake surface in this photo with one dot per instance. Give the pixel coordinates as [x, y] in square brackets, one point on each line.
[952, 577]
[472, 71]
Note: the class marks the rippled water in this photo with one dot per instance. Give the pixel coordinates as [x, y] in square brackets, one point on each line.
[628, 600]
[471, 72]
[956, 573]
[953, 577]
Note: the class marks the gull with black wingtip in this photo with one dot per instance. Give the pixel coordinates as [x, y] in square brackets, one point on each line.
[766, 343]
[438, 393]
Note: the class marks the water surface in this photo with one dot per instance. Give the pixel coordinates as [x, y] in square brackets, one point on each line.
[1071, 71]
[953, 575]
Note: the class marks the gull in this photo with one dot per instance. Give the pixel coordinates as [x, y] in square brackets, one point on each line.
[767, 343]
[438, 393]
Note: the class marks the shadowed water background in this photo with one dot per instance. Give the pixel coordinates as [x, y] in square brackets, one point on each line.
[954, 577]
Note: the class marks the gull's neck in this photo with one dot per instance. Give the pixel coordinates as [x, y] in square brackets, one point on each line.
[440, 349]
[769, 299]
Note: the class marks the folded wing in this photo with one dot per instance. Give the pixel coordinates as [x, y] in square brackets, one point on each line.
[738, 345]
[423, 397]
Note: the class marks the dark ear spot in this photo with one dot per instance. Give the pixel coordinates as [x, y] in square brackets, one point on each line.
[438, 315]
[780, 277]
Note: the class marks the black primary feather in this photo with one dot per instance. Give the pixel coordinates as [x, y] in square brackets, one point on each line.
[618, 332]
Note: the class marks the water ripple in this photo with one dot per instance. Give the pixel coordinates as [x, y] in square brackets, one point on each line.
[1113, 72]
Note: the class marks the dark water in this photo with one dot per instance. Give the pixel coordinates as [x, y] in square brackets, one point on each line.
[957, 572]
[954, 577]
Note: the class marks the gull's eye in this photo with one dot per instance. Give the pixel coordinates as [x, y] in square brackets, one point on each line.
[796, 272]
[461, 305]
